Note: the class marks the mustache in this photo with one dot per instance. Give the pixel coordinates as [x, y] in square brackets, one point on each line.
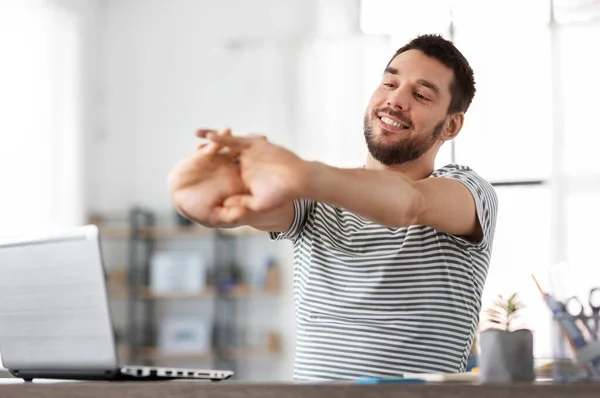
[398, 115]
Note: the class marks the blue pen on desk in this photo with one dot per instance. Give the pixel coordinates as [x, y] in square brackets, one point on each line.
[377, 380]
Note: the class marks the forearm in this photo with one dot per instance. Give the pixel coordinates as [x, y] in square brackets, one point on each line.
[384, 197]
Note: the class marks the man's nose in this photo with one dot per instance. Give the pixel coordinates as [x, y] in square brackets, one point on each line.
[399, 99]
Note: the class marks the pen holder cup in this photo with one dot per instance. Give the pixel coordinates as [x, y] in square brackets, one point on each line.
[576, 348]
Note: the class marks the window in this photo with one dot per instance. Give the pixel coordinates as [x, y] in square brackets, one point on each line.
[582, 240]
[402, 19]
[581, 173]
[580, 87]
[40, 139]
[508, 130]
[522, 247]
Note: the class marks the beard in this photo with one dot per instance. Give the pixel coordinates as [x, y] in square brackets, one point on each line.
[402, 150]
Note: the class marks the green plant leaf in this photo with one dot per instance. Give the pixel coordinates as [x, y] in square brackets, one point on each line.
[505, 311]
[493, 311]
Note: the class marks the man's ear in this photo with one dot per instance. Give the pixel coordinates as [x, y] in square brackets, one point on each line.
[455, 123]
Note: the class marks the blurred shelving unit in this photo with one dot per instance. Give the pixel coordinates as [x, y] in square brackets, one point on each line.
[131, 284]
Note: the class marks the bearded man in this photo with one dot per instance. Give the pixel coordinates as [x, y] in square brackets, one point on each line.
[390, 259]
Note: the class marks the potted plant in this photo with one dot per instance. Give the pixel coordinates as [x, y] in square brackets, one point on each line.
[506, 352]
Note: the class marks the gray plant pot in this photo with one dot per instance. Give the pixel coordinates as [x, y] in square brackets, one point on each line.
[506, 357]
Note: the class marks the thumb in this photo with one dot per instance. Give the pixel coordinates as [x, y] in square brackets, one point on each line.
[247, 201]
[243, 200]
[228, 215]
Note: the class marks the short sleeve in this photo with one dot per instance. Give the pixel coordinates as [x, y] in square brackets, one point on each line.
[302, 210]
[486, 202]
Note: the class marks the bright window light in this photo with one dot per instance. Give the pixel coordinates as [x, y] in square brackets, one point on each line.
[40, 127]
[404, 18]
[581, 84]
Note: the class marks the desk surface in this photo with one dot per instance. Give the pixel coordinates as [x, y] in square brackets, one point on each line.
[284, 390]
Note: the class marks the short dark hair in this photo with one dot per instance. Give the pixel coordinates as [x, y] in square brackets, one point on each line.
[462, 87]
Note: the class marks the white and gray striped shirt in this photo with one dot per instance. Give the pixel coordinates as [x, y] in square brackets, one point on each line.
[377, 301]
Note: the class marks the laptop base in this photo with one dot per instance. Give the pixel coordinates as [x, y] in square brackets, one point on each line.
[149, 374]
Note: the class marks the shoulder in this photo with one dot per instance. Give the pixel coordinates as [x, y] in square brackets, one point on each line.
[483, 193]
[452, 168]
[464, 174]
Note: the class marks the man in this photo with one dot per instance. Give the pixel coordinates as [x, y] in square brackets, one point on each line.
[390, 259]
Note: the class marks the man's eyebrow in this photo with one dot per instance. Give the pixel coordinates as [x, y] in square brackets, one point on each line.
[426, 83]
[429, 84]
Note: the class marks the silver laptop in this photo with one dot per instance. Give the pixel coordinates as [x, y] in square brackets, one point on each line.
[54, 315]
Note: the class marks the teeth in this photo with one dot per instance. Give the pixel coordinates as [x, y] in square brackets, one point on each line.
[389, 121]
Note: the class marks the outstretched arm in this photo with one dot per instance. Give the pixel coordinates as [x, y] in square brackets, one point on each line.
[389, 198]
[276, 176]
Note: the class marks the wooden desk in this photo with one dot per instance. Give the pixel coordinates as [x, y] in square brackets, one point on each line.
[274, 390]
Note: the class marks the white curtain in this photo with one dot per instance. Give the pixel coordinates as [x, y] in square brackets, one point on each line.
[40, 116]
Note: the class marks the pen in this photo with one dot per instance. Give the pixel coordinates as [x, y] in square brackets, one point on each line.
[376, 380]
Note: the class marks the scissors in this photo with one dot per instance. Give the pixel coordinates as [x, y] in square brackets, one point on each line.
[575, 309]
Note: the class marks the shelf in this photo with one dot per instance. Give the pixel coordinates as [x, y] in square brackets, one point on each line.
[246, 352]
[144, 293]
[245, 291]
[173, 232]
[145, 232]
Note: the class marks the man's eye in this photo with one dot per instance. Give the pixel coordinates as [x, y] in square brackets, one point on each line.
[422, 97]
[388, 84]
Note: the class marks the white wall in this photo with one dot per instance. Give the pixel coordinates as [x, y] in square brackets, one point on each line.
[170, 67]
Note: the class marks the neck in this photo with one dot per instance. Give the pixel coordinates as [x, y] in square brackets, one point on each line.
[416, 170]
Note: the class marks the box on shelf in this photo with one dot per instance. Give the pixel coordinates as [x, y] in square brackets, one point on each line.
[177, 271]
[184, 335]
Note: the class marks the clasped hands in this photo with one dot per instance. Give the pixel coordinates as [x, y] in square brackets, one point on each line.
[230, 177]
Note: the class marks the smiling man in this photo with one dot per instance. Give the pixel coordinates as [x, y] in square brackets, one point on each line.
[390, 259]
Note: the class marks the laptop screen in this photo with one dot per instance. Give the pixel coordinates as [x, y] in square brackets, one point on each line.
[54, 312]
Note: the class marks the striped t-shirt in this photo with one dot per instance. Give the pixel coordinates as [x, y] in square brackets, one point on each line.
[377, 301]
